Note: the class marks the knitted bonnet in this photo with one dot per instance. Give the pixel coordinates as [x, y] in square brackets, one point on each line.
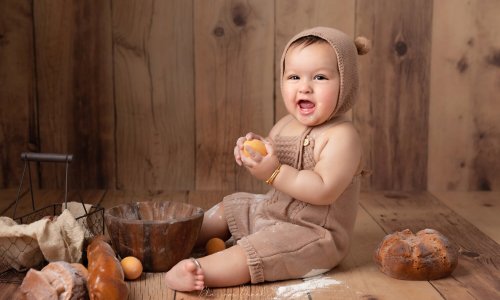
[346, 50]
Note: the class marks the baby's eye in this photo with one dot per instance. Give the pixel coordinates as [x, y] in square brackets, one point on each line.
[293, 77]
[320, 77]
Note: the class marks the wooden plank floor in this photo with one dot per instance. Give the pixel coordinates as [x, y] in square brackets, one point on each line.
[469, 219]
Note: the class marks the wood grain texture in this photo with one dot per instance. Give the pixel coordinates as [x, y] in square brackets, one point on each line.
[75, 96]
[150, 286]
[206, 199]
[294, 16]
[8, 290]
[158, 233]
[7, 199]
[464, 136]
[478, 270]
[18, 128]
[234, 86]
[74, 89]
[153, 69]
[151, 95]
[392, 110]
[479, 208]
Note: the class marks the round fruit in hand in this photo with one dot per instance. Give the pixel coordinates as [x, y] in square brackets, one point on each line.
[132, 267]
[256, 145]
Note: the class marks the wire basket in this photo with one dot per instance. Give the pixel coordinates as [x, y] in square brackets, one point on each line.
[92, 221]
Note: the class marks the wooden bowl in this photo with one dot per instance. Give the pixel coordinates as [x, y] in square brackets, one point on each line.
[158, 233]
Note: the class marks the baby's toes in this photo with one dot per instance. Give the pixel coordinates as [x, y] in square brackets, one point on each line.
[199, 285]
[191, 267]
[199, 277]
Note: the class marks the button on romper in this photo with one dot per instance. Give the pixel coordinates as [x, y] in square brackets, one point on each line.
[286, 238]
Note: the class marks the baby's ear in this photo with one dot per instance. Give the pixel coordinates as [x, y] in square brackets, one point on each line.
[363, 45]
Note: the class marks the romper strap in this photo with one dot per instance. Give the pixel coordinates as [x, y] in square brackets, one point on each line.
[300, 145]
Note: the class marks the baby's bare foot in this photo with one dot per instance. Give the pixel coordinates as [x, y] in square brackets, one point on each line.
[185, 276]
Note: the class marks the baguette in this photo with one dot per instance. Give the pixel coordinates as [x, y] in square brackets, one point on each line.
[106, 278]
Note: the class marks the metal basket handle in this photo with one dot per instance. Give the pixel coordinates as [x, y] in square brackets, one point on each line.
[28, 157]
[46, 157]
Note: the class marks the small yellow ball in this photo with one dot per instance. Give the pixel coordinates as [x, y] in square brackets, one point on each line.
[132, 267]
[215, 245]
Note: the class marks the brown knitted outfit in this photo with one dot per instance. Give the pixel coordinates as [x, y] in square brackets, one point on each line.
[284, 237]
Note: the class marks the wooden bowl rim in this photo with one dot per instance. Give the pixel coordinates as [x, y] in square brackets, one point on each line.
[198, 212]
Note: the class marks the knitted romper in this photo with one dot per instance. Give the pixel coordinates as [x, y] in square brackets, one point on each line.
[285, 238]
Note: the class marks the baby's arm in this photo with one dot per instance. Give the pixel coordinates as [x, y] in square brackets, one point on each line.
[337, 155]
[337, 161]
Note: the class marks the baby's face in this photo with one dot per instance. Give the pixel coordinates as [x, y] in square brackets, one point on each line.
[311, 83]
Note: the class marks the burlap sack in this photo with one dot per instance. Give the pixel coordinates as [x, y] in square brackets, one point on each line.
[26, 245]
[18, 245]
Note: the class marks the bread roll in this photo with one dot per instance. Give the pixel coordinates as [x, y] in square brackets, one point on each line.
[427, 255]
[35, 286]
[58, 280]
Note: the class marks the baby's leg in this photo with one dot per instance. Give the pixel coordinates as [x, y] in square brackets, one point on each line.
[222, 269]
[226, 268]
[214, 225]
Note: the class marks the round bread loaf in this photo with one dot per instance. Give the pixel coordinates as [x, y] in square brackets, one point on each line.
[57, 280]
[426, 255]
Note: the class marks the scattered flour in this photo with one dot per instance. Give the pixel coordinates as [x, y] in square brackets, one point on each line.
[301, 289]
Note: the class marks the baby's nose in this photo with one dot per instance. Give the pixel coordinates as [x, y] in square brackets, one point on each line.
[305, 88]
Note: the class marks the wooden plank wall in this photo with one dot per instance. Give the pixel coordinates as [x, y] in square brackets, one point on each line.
[392, 112]
[151, 95]
[464, 136]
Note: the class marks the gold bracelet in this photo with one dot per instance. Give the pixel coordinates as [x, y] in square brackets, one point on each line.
[273, 176]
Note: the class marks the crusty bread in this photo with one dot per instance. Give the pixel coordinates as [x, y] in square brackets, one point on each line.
[57, 280]
[36, 286]
[426, 255]
[81, 269]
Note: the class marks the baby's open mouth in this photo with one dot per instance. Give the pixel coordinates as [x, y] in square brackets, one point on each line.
[306, 106]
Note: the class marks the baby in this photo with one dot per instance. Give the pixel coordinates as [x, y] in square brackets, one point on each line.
[302, 227]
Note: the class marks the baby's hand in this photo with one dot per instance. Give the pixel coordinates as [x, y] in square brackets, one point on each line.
[260, 166]
[239, 149]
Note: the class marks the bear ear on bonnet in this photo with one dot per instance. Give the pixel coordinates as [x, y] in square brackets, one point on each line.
[363, 45]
